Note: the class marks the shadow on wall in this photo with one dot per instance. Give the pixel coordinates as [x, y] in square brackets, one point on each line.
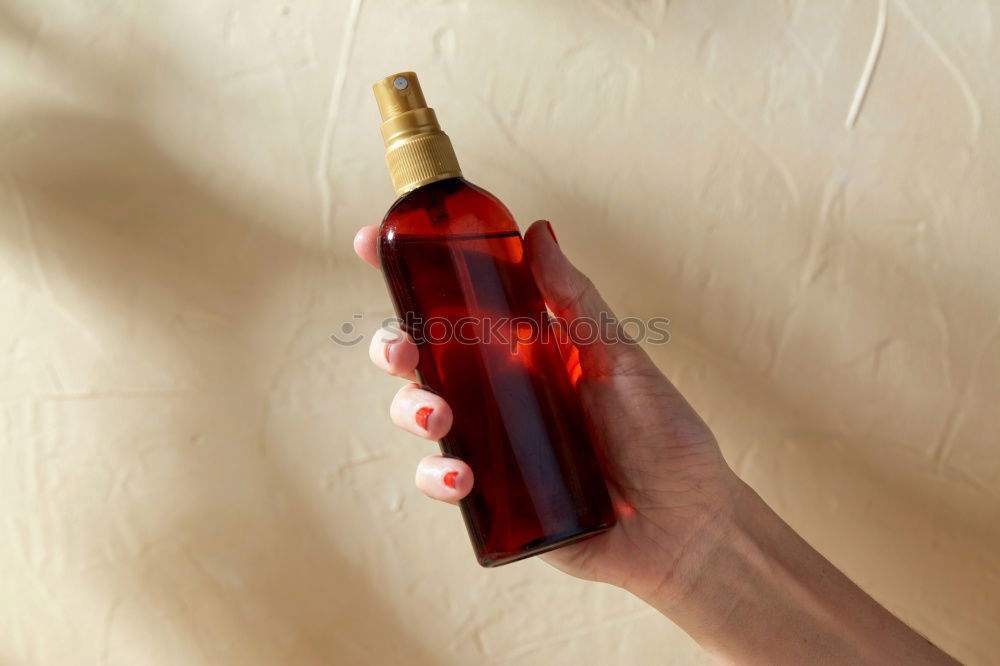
[143, 239]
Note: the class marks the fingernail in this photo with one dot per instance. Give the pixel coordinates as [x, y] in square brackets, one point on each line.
[548, 225]
[449, 478]
[388, 345]
[422, 415]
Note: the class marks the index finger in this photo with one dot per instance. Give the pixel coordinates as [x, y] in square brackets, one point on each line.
[364, 245]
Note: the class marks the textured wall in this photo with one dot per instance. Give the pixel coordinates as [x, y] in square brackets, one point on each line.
[192, 473]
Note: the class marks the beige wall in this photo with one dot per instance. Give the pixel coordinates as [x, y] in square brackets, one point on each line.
[192, 473]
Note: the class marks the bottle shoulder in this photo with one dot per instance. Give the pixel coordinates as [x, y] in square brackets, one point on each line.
[452, 207]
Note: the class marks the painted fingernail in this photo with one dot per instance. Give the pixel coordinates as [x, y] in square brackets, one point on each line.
[449, 478]
[548, 225]
[422, 415]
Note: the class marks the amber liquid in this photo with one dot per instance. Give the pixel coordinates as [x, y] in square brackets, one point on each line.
[453, 260]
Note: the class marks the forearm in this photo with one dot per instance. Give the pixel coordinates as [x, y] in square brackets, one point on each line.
[759, 594]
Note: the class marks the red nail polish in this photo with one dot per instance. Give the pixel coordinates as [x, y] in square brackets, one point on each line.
[449, 478]
[548, 225]
[423, 414]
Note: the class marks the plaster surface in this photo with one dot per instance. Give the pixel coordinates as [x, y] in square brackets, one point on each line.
[191, 471]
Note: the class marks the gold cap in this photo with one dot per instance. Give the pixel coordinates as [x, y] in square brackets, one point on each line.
[417, 152]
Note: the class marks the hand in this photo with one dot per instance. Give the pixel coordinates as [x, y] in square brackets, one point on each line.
[692, 539]
[671, 487]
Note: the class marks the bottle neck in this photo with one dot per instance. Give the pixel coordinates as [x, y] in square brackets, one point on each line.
[419, 159]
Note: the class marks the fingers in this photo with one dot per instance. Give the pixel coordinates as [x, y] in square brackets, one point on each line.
[421, 412]
[427, 415]
[568, 292]
[392, 351]
[365, 245]
[443, 478]
[573, 298]
[413, 409]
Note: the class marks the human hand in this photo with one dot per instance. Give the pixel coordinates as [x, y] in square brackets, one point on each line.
[669, 482]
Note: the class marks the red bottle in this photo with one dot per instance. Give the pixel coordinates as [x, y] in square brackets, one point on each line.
[452, 257]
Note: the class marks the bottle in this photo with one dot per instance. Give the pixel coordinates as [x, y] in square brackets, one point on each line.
[453, 260]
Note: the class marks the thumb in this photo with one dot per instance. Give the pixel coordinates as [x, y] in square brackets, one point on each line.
[591, 325]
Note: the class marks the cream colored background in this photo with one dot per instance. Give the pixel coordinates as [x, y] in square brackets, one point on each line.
[192, 473]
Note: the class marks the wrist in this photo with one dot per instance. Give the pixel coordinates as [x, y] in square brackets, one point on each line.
[723, 586]
[688, 567]
[751, 590]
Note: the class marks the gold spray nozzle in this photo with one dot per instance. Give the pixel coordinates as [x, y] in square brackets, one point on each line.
[417, 151]
[398, 94]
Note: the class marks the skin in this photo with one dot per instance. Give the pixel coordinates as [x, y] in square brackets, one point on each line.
[692, 539]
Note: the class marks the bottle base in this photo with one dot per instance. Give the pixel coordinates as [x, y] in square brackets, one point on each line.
[543, 545]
